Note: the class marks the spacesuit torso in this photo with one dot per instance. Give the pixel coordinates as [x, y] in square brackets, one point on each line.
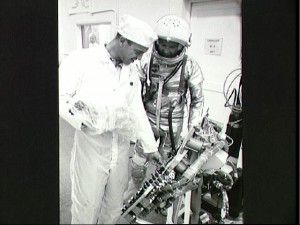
[161, 70]
[169, 72]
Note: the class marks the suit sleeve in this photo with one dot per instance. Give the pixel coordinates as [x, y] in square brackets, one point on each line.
[195, 85]
[69, 82]
[145, 134]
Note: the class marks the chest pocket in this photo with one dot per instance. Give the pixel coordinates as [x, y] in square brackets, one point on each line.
[126, 92]
[128, 86]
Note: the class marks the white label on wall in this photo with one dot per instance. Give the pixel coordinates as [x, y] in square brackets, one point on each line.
[213, 46]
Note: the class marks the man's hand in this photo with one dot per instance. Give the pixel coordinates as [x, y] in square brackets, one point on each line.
[155, 157]
[183, 135]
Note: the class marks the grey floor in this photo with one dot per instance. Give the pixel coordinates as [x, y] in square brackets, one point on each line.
[66, 133]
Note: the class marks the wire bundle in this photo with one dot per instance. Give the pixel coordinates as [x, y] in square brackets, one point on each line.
[236, 104]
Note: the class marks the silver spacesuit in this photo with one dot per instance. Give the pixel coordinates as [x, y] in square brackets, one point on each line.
[169, 82]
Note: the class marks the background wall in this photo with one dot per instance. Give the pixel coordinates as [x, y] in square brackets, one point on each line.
[221, 21]
[109, 10]
[208, 20]
[69, 24]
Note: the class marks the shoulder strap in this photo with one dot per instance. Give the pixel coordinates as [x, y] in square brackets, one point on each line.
[181, 87]
[148, 75]
[150, 67]
[173, 72]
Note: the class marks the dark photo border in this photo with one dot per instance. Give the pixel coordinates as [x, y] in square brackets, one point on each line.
[270, 110]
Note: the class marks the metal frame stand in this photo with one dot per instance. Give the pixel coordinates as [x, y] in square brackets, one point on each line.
[172, 216]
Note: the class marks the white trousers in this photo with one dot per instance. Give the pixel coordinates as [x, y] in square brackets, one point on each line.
[99, 177]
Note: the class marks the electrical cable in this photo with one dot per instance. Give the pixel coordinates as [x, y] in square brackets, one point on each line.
[227, 78]
[171, 129]
[232, 83]
[230, 140]
[227, 100]
[237, 94]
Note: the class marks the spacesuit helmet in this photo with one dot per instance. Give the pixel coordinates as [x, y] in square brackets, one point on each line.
[173, 39]
[173, 28]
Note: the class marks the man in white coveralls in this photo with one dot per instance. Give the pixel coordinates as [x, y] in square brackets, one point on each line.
[100, 96]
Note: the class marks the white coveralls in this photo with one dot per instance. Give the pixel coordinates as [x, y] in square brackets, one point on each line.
[99, 160]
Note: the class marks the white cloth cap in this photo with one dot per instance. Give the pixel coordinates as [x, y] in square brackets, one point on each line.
[136, 31]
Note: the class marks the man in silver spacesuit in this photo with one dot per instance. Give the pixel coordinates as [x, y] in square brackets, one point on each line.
[170, 80]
